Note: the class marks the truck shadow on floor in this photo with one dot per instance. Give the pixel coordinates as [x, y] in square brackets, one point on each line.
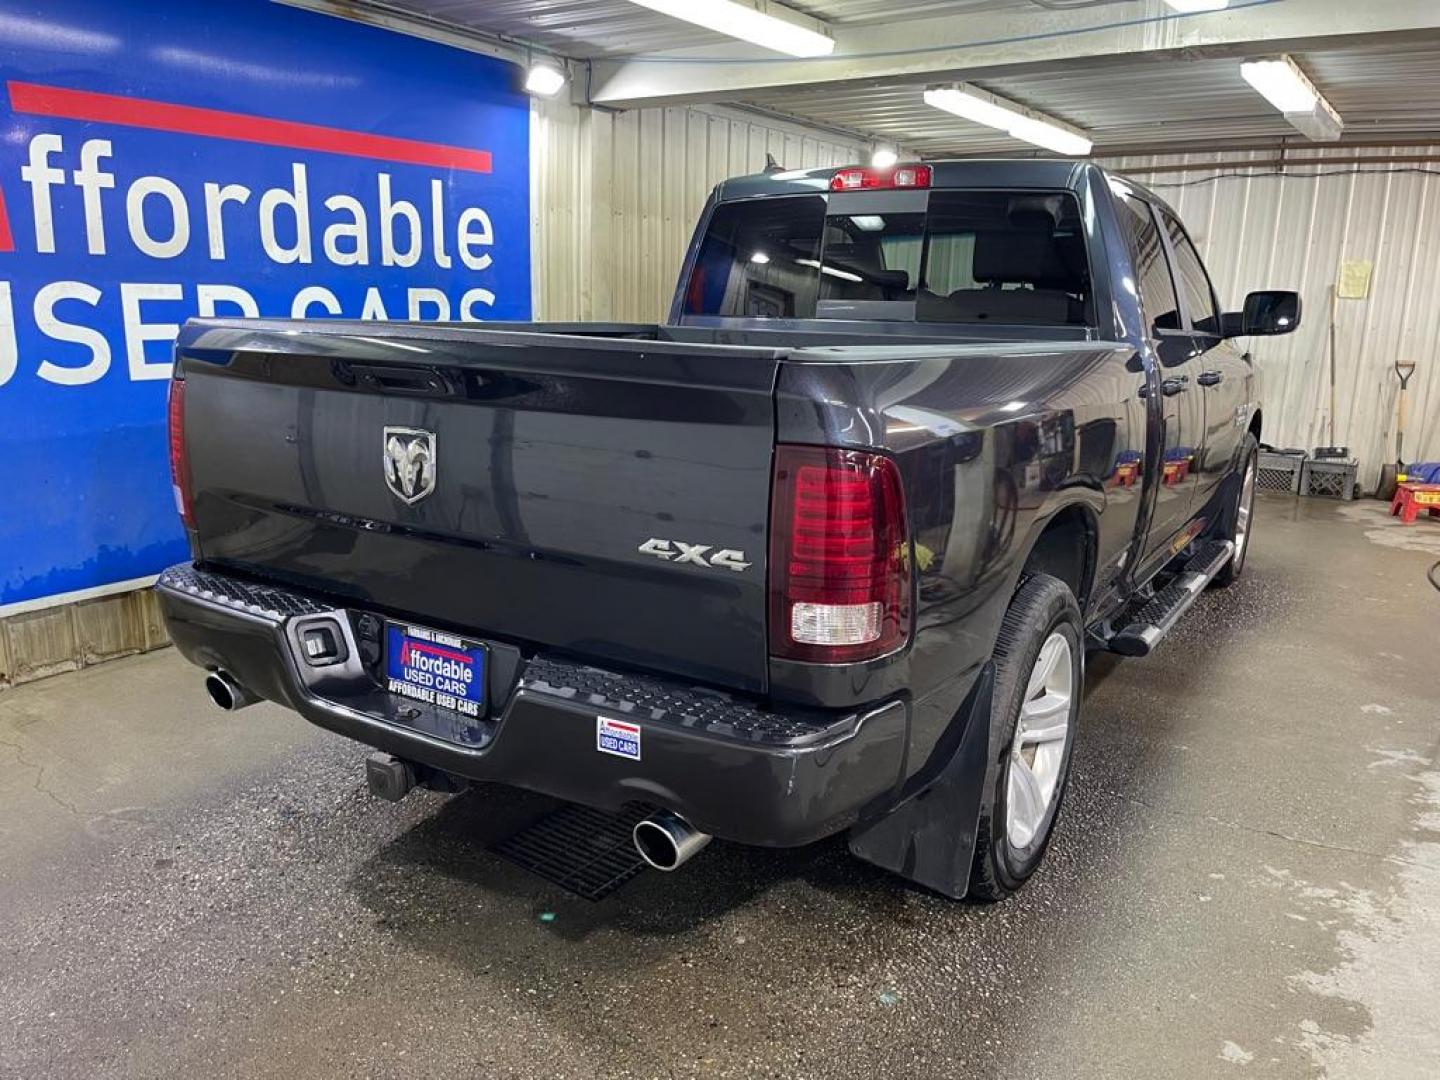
[450, 852]
[438, 887]
[738, 934]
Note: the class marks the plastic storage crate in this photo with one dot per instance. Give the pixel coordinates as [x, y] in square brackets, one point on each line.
[1329, 479]
[1279, 472]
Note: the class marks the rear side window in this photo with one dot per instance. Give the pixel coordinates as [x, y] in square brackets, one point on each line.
[994, 256]
[1157, 292]
[972, 256]
[1191, 277]
[760, 259]
[872, 257]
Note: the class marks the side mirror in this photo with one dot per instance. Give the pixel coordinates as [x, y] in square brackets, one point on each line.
[1271, 311]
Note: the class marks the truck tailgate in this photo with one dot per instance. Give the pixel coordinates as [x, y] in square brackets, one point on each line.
[568, 472]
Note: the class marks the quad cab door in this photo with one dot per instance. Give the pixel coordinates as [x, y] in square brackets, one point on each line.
[1223, 376]
[1182, 405]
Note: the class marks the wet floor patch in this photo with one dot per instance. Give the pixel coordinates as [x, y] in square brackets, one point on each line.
[1391, 960]
[1383, 530]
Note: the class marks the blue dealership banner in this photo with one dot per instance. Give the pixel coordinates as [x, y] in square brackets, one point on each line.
[164, 159]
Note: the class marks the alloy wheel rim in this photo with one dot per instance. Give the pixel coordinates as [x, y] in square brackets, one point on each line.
[1243, 512]
[1038, 750]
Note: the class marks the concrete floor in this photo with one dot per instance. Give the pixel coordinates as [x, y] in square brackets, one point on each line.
[1246, 878]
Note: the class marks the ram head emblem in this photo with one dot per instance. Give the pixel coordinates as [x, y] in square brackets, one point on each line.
[409, 463]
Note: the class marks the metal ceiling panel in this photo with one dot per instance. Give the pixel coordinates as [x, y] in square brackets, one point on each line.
[860, 12]
[1143, 100]
[579, 28]
[1148, 101]
[592, 28]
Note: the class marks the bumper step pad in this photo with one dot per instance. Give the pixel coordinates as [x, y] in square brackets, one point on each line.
[266, 601]
[584, 851]
[711, 712]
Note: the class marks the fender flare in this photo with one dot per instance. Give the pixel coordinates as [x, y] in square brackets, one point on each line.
[1091, 504]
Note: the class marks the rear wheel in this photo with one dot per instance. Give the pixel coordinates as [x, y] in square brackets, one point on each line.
[1239, 521]
[1039, 672]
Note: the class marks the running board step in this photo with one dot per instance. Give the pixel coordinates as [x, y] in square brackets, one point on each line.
[1145, 628]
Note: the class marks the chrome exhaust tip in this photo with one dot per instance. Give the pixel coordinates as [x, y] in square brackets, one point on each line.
[667, 841]
[225, 692]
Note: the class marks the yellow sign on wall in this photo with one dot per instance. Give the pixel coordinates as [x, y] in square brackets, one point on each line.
[1355, 279]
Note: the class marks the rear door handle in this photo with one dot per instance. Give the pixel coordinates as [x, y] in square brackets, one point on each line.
[1209, 378]
[1171, 387]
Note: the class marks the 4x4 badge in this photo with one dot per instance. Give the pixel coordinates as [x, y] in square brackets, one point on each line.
[409, 463]
[725, 558]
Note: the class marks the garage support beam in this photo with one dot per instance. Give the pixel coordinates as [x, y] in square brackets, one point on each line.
[999, 43]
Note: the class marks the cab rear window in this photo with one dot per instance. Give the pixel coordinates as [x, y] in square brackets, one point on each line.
[970, 257]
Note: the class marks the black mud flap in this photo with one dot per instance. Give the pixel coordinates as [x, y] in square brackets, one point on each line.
[930, 839]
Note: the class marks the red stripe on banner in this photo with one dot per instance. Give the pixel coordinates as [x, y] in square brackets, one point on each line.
[7, 241]
[40, 100]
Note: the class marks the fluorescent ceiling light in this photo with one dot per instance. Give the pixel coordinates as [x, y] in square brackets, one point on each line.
[1320, 124]
[969, 103]
[790, 33]
[760, 257]
[544, 79]
[982, 107]
[883, 157]
[1188, 7]
[1281, 82]
[1051, 136]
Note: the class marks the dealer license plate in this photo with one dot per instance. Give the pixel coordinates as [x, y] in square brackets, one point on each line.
[437, 668]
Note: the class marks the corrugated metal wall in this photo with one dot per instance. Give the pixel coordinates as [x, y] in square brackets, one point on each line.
[1261, 227]
[614, 197]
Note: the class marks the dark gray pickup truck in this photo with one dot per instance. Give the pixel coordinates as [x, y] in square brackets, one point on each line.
[823, 553]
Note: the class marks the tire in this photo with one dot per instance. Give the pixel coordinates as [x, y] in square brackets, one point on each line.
[1009, 848]
[1238, 523]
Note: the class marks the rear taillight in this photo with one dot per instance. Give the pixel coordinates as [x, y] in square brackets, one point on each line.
[871, 179]
[179, 461]
[839, 556]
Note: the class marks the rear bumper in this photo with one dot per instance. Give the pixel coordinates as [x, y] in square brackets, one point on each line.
[731, 768]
